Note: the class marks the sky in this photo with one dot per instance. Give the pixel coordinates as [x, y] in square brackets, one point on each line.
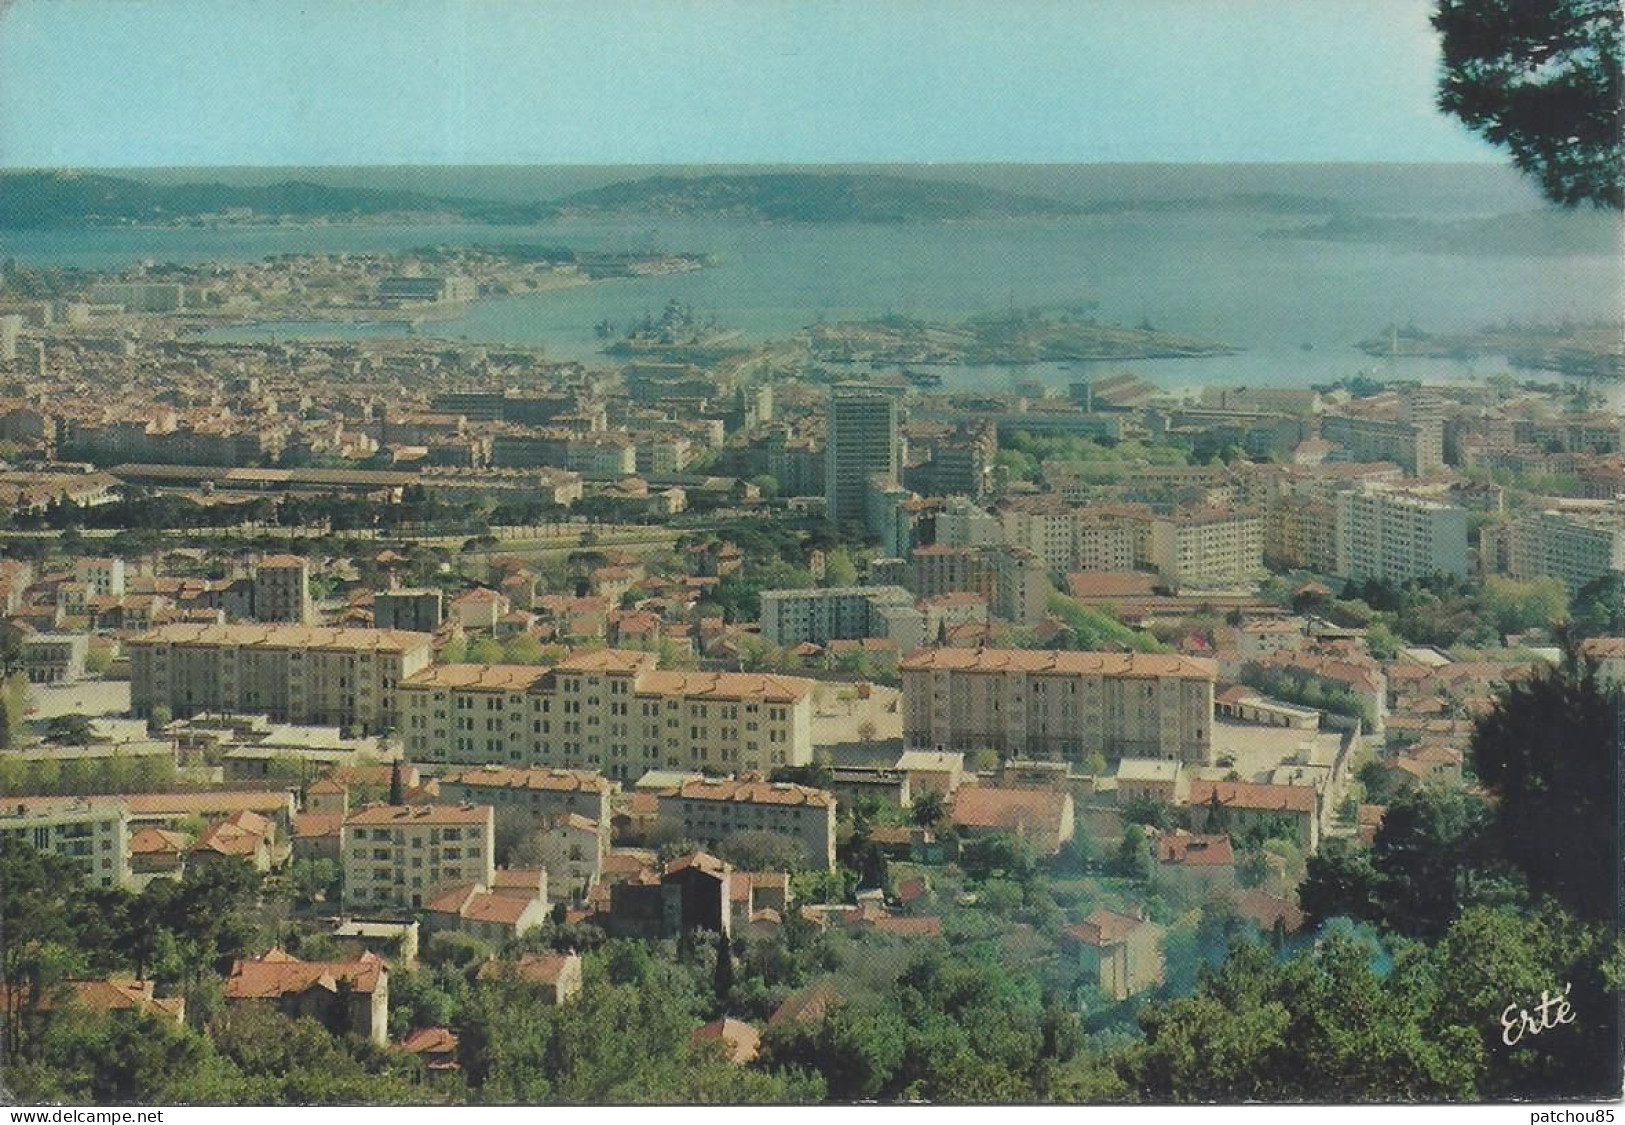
[150, 83]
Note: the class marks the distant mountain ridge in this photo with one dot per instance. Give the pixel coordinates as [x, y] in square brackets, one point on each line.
[71, 199]
[810, 197]
[46, 199]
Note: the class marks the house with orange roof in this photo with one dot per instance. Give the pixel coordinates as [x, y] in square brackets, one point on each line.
[244, 835]
[1192, 862]
[436, 1046]
[114, 994]
[737, 1041]
[1119, 953]
[344, 996]
[1043, 817]
[158, 853]
[555, 976]
[497, 916]
[1235, 806]
[692, 892]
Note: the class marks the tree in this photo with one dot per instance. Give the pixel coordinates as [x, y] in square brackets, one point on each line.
[928, 808]
[1550, 750]
[1134, 853]
[1541, 80]
[762, 851]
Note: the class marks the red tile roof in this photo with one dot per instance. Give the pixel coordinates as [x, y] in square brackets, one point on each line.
[977, 806]
[1259, 797]
[1059, 662]
[278, 974]
[1103, 927]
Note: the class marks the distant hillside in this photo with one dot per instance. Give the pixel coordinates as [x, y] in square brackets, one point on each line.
[1549, 232]
[69, 199]
[809, 197]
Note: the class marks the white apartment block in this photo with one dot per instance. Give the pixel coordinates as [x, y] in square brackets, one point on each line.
[293, 673]
[104, 577]
[532, 792]
[93, 832]
[713, 809]
[835, 613]
[1416, 446]
[1059, 705]
[395, 856]
[1208, 548]
[1396, 537]
[610, 711]
[1576, 546]
[1069, 538]
[963, 523]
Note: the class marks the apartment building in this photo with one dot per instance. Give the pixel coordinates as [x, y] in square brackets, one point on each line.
[531, 796]
[861, 443]
[54, 658]
[292, 673]
[1395, 536]
[1059, 705]
[417, 611]
[1208, 548]
[395, 856]
[93, 832]
[937, 570]
[835, 613]
[710, 810]
[611, 711]
[1575, 545]
[282, 590]
[1069, 537]
[1416, 446]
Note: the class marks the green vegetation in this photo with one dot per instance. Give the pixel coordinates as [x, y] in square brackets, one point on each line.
[1029, 457]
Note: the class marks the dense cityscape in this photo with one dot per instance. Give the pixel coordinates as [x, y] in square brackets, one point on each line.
[455, 699]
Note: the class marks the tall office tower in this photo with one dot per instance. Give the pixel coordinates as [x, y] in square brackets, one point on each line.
[862, 442]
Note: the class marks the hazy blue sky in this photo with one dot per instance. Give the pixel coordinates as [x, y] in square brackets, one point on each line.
[163, 82]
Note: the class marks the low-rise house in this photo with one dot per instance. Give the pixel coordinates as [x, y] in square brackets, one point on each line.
[242, 835]
[1156, 779]
[395, 942]
[738, 1041]
[1042, 817]
[693, 893]
[934, 771]
[158, 853]
[572, 849]
[344, 996]
[436, 1046]
[114, 994]
[479, 911]
[1193, 863]
[1119, 953]
[556, 976]
[1235, 806]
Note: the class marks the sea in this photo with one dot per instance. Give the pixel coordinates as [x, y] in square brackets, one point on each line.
[1169, 246]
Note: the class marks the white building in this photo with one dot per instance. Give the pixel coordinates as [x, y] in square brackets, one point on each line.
[93, 832]
[1395, 536]
[395, 856]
